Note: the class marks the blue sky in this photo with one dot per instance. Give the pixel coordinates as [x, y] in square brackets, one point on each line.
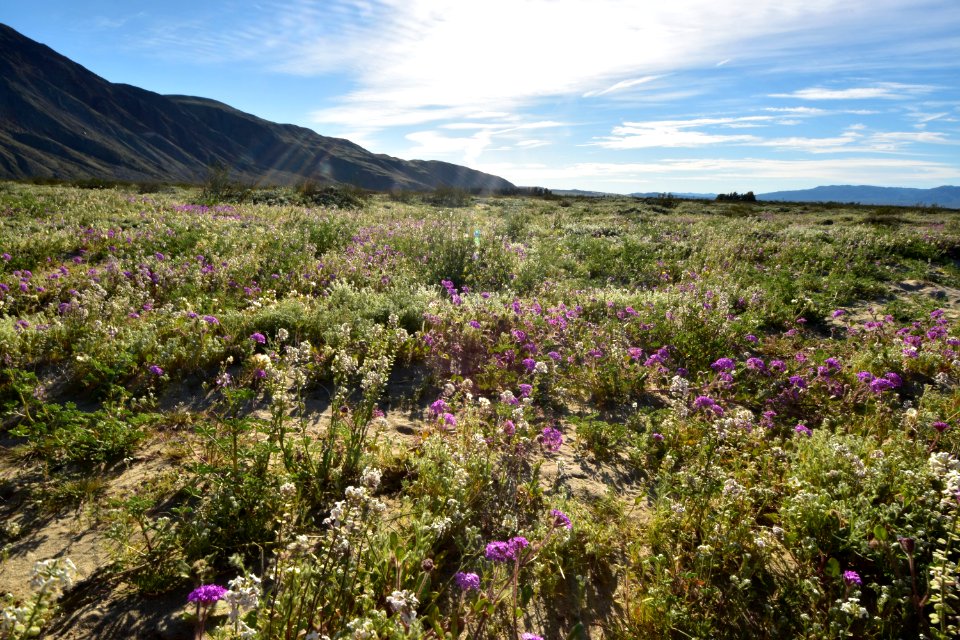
[681, 96]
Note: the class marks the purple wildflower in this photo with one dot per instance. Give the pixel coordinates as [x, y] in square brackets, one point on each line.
[467, 581]
[657, 437]
[439, 407]
[155, 370]
[500, 551]
[560, 519]
[752, 338]
[864, 376]
[551, 439]
[803, 430]
[449, 420]
[723, 364]
[207, 594]
[258, 337]
[838, 313]
[211, 320]
[756, 364]
[530, 636]
[553, 355]
[798, 381]
[509, 428]
[940, 426]
[852, 577]
[777, 366]
[530, 364]
[525, 390]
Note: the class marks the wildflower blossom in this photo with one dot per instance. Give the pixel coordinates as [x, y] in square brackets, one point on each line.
[155, 370]
[211, 320]
[940, 426]
[723, 364]
[708, 404]
[467, 581]
[560, 519]
[551, 439]
[530, 636]
[258, 337]
[803, 430]
[505, 551]
[852, 577]
[798, 381]
[404, 603]
[207, 594]
[439, 407]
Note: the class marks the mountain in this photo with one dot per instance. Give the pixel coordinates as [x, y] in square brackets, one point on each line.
[948, 197]
[57, 119]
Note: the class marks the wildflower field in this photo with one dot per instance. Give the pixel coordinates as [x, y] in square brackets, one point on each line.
[519, 419]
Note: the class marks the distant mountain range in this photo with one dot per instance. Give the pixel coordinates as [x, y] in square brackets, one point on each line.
[946, 196]
[59, 120]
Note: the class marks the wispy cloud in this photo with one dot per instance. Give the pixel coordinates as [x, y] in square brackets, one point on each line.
[532, 144]
[485, 136]
[620, 86]
[884, 90]
[413, 60]
[798, 111]
[699, 132]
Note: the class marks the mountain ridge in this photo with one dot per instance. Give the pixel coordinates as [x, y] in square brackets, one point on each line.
[61, 120]
[943, 196]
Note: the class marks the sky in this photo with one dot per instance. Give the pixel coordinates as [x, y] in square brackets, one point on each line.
[703, 96]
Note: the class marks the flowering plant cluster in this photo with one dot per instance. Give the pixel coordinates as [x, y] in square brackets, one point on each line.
[404, 421]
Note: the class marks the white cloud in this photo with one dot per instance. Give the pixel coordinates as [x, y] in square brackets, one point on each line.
[676, 133]
[431, 144]
[433, 55]
[620, 86]
[883, 90]
[798, 111]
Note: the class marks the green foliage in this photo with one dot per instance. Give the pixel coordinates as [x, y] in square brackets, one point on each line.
[446, 196]
[348, 397]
